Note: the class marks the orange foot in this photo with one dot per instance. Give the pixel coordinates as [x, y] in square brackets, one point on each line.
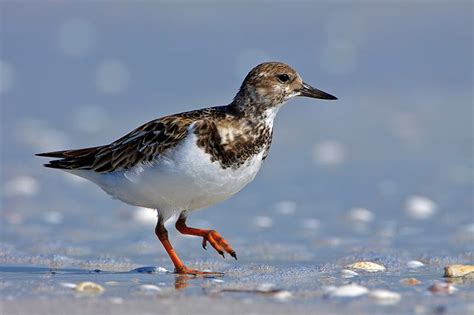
[211, 236]
[218, 242]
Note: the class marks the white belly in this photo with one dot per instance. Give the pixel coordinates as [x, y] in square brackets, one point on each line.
[184, 179]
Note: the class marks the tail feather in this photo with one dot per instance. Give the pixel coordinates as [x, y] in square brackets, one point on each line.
[71, 159]
[70, 153]
[56, 154]
[55, 164]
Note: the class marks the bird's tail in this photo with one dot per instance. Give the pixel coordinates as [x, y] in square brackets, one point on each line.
[71, 159]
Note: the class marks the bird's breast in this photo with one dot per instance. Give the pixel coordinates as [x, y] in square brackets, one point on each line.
[233, 144]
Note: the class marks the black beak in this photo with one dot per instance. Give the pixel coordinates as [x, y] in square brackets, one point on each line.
[309, 91]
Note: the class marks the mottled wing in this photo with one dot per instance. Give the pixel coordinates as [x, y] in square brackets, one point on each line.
[143, 144]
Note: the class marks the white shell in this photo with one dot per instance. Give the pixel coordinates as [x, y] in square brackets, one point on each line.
[366, 266]
[349, 290]
[385, 296]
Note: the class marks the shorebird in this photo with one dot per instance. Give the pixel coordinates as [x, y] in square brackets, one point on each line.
[188, 161]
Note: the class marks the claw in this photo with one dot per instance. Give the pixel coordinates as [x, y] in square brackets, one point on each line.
[211, 236]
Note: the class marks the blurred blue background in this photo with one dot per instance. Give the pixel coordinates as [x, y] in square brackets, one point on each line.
[389, 163]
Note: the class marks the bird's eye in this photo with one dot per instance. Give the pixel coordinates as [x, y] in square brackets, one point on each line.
[284, 77]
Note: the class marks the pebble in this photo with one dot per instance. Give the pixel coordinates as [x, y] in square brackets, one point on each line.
[149, 269]
[346, 273]
[385, 297]
[151, 287]
[366, 266]
[420, 208]
[217, 280]
[282, 295]
[442, 288]
[349, 290]
[454, 271]
[89, 287]
[411, 281]
[148, 289]
[415, 264]
[265, 287]
[68, 285]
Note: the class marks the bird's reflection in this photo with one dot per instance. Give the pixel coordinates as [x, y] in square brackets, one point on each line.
[181, 282]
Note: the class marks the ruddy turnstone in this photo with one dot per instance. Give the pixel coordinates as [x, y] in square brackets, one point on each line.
[188, 161]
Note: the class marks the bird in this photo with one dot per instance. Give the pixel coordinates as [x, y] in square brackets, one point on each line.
[188, 161]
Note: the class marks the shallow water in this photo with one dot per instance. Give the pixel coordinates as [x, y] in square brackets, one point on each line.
[279, 276]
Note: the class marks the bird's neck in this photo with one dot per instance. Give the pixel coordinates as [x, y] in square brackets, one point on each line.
[258, 113]
[254, 115]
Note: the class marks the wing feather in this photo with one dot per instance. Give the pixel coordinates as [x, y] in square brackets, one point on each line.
[144, 143]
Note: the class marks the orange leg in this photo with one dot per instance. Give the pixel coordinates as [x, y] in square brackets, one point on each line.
[179, 267]
[211, 236]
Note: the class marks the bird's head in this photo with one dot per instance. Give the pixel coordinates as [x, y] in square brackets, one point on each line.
[271, 84]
